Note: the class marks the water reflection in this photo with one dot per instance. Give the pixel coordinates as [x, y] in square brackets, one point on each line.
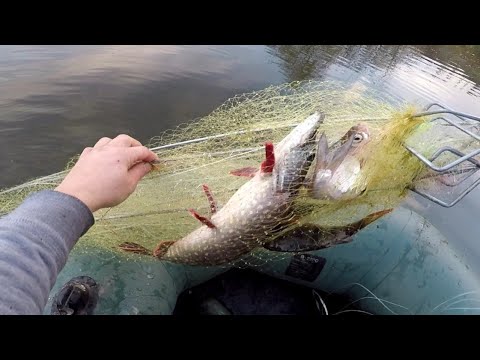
[405, 72]
[55, 100]
[329, 62]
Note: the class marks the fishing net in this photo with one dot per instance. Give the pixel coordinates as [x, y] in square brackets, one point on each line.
[205, 150]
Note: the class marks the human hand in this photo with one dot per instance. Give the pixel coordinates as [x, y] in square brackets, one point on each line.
[106, 175]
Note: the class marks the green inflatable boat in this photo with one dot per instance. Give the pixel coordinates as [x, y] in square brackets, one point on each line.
[400, 264]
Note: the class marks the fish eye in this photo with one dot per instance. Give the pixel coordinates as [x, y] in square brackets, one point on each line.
[357, 138]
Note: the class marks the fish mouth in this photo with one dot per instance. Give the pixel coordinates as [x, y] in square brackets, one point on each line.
[296, 154]
[337, 167]
[330, 157]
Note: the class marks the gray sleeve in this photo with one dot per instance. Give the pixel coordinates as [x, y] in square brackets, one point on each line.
[35, 241]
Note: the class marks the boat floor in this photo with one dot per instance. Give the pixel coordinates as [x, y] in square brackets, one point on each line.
[246, 292]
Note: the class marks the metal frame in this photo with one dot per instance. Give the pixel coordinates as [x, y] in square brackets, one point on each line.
[447, 169]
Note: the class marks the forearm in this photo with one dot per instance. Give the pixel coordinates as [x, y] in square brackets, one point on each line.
[35, 240]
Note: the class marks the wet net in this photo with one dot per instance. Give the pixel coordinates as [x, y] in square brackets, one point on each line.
[206, 150]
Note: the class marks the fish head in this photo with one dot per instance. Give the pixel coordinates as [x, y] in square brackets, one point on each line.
[338, 167]
[359, 135]
[294, 155]
[304, 133]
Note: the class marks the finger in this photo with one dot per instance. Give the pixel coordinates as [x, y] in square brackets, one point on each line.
[103, 141]
[139, 154]
[86, 151]
[124, 141]
[138, 171]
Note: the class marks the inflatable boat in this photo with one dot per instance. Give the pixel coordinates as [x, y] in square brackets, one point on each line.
[400, 264]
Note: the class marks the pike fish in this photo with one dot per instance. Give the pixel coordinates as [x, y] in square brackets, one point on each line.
[256, 212]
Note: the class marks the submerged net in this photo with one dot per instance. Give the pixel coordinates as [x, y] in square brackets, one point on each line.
[205, 150]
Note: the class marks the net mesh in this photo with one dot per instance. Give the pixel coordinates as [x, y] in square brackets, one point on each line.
[205, 150]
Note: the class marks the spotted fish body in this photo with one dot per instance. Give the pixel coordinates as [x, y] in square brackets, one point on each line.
[258, 209]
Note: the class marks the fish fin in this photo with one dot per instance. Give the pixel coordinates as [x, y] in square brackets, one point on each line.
[162, 248]
[202, 219]
[359, 225]
[211, 200]
[269, 162]
[135, 248]
[246, 171]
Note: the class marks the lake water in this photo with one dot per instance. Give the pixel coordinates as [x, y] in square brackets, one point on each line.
[56, 100]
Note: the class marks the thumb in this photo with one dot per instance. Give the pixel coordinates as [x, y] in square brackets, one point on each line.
[139, 153]
[138, 171]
